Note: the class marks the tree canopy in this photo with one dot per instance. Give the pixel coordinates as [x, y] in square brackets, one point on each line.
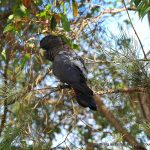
[37, 112]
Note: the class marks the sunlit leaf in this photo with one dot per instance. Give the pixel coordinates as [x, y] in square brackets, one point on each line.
[75, 8]
[45, 12]
[64, 8]
[8, 28]
[22, 8]
[48, 7]
[42, 14]
[3, 54]
[10, 17]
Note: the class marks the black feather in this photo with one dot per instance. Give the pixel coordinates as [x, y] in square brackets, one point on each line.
[69, 68]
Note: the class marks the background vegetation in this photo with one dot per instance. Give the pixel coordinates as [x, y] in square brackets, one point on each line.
[36, 113]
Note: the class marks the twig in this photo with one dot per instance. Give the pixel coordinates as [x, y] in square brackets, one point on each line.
[115, 11]
[60, 87]
[117, 62]
[102, 92]
[125, 90]
[134, 30]
[97, 130]
[65, 138]
[62, 141]
[80, 24]
[107, 11]
[40, 78]
[76, 147]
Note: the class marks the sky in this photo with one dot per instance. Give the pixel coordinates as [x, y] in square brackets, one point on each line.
[141, 26]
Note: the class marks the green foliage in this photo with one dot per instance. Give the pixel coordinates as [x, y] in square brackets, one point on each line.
[143, 6]
[10, 135]
[8, 28]
[65, 23]
[38, 114]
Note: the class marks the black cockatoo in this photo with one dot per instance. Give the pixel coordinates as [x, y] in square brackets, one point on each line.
[69, 68]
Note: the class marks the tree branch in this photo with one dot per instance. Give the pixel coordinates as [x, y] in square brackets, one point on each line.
[116, 123]
[135, 30]
[92, 61]
[115, 11]
[125, 90]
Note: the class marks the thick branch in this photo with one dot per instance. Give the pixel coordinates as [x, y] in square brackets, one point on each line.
[125, 90]
[102, 92]
[116, 123]
[92, 61]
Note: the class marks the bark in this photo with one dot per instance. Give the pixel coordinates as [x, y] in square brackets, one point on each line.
[116, 123]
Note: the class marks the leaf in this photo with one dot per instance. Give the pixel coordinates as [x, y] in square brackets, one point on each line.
[75, 8]
[8, 28]
[64, 8]
[136, 2]
[20, 12]
[45, 12]
[48, 7]
[53, 23]
[145, 12]
[75, 46]
[10, 17]
[3, 55]
[23, 8]
[42, 14]
[65, 22]
[26, 3]
[25, 59]
[70, 43]
[142, 7]
[57, 18]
